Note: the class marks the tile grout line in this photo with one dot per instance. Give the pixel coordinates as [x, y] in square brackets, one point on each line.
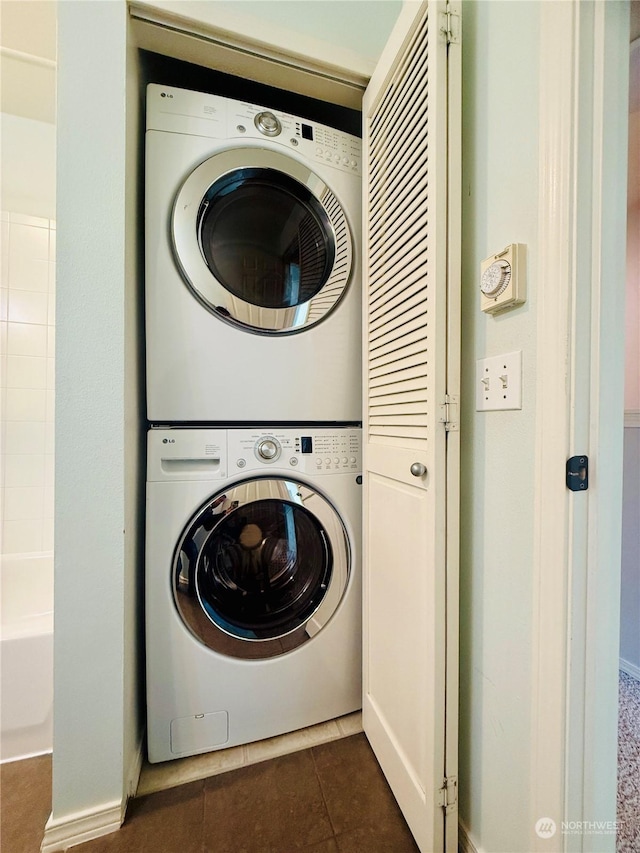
[324, 799]
[203, 816]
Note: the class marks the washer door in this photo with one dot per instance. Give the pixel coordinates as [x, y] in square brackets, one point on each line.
[262, 241]
[261, 569]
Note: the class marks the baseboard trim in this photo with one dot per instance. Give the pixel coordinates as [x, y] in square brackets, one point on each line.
[465, 844]
[62, 833]
[632, 418]
[630, 668]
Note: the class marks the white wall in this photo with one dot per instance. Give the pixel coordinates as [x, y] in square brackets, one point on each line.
[28, 164]
[347, 34]
[28, 59]
[352, 25]
[632, 329]
[27, 384]
[504, 774]
[27, 285]
[630, 579]
[98, 422]
[500, 206]
[630, 597]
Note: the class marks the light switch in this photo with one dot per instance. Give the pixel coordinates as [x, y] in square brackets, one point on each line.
[499, 382]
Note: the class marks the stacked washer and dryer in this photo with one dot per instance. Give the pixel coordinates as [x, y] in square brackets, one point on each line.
[252, 311]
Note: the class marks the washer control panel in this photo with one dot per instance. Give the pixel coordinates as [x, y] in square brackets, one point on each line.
[212, 454]
[308, 450]
[333, 451]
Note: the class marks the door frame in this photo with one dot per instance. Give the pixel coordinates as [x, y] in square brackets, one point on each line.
[582, 159]
[213, 41]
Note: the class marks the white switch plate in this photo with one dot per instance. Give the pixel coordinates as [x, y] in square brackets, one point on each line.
[499, 382]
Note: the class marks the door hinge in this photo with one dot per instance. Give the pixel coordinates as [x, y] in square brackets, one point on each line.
[450, 25]
[448, 794]
[449, 413]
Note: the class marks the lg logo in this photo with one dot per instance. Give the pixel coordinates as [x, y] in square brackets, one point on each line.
[168, 441]
[165, 95]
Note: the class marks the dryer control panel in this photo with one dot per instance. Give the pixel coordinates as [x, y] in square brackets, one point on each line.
[314, 141]
[202, 114]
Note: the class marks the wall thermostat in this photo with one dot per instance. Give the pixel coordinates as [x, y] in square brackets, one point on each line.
[503, 280]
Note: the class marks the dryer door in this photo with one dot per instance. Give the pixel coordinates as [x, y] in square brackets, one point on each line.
[260, 569]
[262, 241]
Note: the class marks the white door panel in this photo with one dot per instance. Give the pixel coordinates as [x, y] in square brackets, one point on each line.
[411, 346]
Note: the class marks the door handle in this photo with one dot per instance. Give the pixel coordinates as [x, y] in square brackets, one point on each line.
[418, 469]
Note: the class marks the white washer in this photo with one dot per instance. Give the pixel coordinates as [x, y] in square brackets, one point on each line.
[252, 270]
[253, 584]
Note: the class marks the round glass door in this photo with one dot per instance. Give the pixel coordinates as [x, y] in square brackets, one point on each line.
[262, 241]
[266, 238]
[261, 569]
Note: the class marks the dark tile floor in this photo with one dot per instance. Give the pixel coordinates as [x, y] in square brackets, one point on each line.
[25, 803]
[331, 798]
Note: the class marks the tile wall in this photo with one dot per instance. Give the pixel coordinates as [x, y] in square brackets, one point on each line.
[27, 382]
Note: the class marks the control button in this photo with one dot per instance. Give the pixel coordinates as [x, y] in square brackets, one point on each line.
[345, 161]
[344, 460]
[353, 460]
[241, 463]
[241, 128]
[267, 124]
[354, 165]
[293, 461]
[328, 461]
[319, 151]
[336, 461]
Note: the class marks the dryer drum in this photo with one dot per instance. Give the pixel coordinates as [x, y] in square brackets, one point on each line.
[266, 238]
[261, 569]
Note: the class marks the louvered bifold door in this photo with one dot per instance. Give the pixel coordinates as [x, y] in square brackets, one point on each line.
[405, 349]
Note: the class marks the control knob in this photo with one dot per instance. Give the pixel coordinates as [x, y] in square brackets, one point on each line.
[268, 449]
[267, 124]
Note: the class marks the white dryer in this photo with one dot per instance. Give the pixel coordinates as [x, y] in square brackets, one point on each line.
[252, 270]
[253, 584]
